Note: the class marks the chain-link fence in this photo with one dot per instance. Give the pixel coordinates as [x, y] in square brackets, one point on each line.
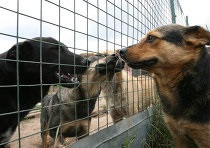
[53, 97]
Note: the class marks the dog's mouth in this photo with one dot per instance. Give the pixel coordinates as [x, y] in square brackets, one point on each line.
[119, 65]
[67, 79]
[143, 64]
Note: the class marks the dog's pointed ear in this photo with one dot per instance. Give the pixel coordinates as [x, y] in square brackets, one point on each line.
[24, 51]
[197, 36]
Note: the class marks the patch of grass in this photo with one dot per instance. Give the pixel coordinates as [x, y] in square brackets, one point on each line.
[159, 137]
[127, 143]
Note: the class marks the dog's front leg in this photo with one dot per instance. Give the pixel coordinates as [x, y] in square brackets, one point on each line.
[180, 141]
[178, 134]
[45, 134]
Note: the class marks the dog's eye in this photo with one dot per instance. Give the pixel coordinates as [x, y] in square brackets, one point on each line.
[151, 38]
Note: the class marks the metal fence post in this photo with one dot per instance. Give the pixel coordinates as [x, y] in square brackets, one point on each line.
[173, 15]
[207, 28]
[187, 22]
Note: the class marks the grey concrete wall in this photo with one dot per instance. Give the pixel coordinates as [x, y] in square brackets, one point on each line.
[130, 133]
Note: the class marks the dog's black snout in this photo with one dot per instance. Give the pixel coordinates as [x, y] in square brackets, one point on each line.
[123, 52]
[115, 57]
[86, 62]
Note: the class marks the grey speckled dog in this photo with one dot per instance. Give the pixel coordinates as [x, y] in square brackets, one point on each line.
[79, 102]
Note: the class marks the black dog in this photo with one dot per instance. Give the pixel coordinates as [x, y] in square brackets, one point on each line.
[22, 80]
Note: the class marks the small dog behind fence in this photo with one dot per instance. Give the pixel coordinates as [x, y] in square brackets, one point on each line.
[73, 116]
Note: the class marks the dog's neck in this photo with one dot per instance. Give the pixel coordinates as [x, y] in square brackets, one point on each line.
[113, 84]
[186, 91]
[91, 85]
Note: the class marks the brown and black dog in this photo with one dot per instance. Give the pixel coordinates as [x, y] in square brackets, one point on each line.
[178, 59]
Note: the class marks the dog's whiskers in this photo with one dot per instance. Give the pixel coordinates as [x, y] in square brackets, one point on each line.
[116, 63]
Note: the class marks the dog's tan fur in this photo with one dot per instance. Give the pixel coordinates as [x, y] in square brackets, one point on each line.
[179, 129]
[127, 95]
[176, 59]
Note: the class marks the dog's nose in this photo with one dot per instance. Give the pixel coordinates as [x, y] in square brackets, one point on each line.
[123, 52]
[115, 57]
[86, 62]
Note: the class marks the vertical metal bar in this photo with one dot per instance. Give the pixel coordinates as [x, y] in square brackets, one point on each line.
[133, 91]
[121, 87]
[114, 80]
[17, 74]
[187, 21]
[173, 15]
[137, 41]
[42, 101]
[207, 27]
[98, 52]
[107, 105]
[127, 67]
[75, 114]
[59, 69]
[87, 99]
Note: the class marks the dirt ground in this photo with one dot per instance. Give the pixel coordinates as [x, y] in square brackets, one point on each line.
[30, 129]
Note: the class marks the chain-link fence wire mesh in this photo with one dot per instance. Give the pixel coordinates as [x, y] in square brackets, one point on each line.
[84, 26]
